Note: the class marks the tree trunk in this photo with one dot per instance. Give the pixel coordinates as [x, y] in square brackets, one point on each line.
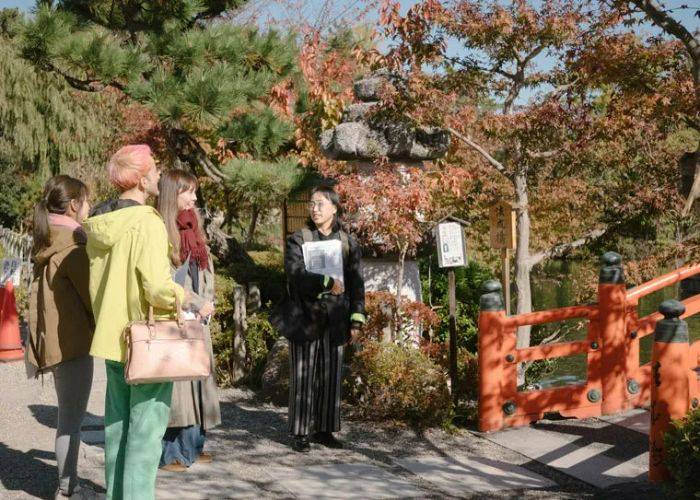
[522, 262]
[251, 228]
[399, 288]
[238, 349]
[690, 171]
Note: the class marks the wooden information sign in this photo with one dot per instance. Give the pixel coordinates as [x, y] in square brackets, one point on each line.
[452, 245]
[452, 252]
[503, 237]
[502, 218]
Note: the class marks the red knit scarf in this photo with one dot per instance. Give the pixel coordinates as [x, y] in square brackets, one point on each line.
[191, 242]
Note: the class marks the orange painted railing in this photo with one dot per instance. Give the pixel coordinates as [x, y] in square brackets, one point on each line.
[615, 381]
[674, 380]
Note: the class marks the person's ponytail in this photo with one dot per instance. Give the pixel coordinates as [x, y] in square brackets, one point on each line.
[42, 237]
[58, 193]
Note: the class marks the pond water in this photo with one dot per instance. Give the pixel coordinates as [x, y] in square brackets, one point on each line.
[552, 288]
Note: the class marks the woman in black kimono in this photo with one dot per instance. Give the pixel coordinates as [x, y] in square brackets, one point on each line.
[321, 315]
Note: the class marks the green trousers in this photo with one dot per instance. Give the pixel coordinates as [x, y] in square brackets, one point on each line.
[136, 417]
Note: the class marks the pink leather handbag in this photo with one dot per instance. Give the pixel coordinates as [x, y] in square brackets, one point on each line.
[166, 350]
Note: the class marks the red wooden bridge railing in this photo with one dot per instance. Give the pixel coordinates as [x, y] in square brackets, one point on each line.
[615, 381]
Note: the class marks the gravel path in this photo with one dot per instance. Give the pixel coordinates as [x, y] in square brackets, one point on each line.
[252, 441]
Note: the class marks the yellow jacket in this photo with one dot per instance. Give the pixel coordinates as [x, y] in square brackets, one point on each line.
[129, 269]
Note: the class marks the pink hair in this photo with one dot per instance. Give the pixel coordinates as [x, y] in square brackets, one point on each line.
[129, 165]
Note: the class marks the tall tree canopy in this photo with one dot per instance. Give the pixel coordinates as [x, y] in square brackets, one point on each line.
[215, 87]
[579, 143]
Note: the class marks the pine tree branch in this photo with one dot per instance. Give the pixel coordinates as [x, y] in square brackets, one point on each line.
[189, 149]
[560, 250]
[80, 84]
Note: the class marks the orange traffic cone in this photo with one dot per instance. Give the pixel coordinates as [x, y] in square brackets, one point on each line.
[10, 343]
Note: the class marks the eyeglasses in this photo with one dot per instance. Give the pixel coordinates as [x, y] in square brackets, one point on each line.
[318, 204]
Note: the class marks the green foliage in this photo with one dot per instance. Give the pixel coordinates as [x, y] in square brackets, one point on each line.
[263, 183]
[683, 455]
[391, 382]
[193, 76]
[215, 86]
[468, 282]
[222, 329]
[260, 336]
[17, 198]
[45, 128]
[267, 271]
[262, 134]
[10, 22]
[138, 15]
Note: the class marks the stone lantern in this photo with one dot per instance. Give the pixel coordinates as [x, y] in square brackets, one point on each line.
[361, 138]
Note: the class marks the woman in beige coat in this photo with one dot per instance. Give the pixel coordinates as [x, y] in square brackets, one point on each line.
[61, 320]
[195, 405]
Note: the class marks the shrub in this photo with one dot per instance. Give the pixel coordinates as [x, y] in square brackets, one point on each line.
[467, 387]
[381, 312]
[266, 268]
[683, 458]
[222, 329]
[468, 282]
[260, 336]
[393, 382]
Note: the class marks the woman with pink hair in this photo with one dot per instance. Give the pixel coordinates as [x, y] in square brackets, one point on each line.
[127, 245]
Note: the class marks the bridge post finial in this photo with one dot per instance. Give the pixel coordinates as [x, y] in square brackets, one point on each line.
[491, 296]
[611, 271]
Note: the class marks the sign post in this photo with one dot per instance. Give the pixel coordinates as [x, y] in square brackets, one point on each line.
[452, 252]
[503, 237]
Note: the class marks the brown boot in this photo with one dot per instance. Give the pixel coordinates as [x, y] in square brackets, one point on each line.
[205, 458]
[176, 466]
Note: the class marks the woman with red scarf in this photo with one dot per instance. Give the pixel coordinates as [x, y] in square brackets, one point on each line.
[195, 405]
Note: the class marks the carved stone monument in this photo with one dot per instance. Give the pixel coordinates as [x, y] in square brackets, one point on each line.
[362, 136]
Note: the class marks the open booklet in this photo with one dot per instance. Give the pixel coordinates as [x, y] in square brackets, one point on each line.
[324, 257]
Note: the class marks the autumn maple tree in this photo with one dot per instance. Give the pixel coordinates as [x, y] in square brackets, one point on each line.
[686, 104]
[544, 104]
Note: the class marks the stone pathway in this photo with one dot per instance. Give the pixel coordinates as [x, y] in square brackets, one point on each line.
[600, 453]
[595, 458]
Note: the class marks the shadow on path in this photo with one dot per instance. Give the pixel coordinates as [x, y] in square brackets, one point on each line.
[47, 415]
[20, 471]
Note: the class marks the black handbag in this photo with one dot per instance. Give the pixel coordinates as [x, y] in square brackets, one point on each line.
[299, 321]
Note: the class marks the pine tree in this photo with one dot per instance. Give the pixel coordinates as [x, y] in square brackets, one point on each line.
[210, 83]
[198, 75]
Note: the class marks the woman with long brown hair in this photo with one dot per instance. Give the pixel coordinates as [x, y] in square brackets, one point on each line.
[195, 405]
[61, 320]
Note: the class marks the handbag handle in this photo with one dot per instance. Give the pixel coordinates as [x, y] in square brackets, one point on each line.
[178, 308]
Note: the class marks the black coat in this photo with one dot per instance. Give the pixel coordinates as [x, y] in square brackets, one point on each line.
[309, 310]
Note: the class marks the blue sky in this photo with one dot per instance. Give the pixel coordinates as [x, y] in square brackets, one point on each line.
[686, 16]
[310, 9]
